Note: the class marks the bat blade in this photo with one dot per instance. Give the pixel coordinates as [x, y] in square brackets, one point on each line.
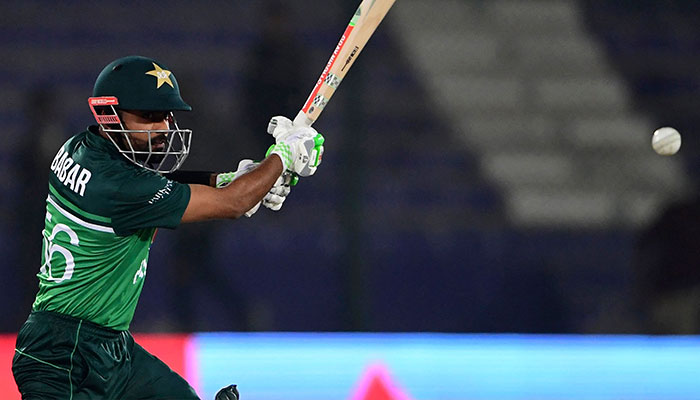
[361, 27]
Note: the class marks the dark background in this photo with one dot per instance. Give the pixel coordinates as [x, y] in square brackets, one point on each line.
[398, 230]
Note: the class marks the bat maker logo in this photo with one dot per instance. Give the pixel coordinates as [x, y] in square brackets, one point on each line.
[350, 57]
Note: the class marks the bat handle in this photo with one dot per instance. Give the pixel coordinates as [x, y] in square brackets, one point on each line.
[302, 119]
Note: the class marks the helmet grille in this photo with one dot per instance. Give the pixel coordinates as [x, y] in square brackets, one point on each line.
[107, 119]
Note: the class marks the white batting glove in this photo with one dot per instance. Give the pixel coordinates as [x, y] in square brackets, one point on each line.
[279, 192]
[299, 147]
[273, 199]
[224, 179]
[279, 126]
[244, 166]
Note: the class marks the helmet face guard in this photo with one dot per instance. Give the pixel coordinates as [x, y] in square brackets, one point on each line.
[173, 144]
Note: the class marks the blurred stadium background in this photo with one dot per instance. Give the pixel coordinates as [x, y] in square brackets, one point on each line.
[488, 171]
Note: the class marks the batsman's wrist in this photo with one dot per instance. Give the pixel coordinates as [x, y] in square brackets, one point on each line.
[284, 152]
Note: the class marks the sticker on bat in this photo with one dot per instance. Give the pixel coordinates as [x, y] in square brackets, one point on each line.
[320, 101]
[332, 81]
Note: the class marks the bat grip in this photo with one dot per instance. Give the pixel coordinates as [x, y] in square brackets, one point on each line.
[302, 120]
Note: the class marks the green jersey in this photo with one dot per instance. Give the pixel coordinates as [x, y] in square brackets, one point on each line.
[102, 212]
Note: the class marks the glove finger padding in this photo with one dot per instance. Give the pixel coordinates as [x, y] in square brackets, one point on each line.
[278, 193]
[280, 190]
[273, 201]
[279, 126]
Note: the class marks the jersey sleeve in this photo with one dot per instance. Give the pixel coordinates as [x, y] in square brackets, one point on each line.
[148, 200]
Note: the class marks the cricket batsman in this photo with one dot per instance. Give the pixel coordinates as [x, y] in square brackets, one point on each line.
[110, 188]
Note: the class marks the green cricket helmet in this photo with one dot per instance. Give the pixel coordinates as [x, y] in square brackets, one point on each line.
[138, 83]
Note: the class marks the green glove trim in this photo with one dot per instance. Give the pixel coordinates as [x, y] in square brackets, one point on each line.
[282, 150]
[319, 140]
[318, 143]
[224, 178]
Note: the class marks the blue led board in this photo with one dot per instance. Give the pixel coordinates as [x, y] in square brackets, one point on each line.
[276, 366]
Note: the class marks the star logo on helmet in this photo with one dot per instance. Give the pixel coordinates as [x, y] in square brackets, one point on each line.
[163, 76]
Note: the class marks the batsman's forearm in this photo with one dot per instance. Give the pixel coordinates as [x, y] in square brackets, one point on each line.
[235, 199]
[246, 191]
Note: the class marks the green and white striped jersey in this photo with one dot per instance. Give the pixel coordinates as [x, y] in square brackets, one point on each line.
[101, 217]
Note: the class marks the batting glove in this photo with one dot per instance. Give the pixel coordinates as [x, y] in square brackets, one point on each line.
[273, 199]
[279, 192]
[299, 147]
[280, 127]
[244, 166]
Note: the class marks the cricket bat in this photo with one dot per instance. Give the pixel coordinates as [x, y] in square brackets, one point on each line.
[361, 27]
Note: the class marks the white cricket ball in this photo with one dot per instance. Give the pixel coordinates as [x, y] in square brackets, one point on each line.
[666, 141]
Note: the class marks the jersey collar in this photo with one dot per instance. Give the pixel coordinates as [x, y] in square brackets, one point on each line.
[97, 141]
